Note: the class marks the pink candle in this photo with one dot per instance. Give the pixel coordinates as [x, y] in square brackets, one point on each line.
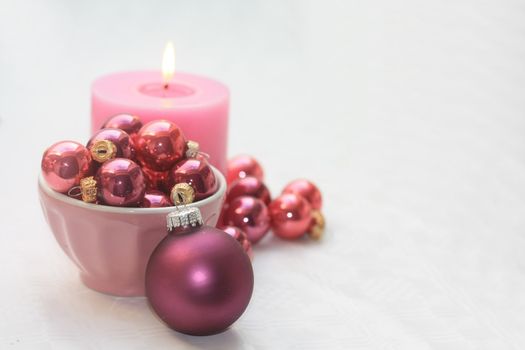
[198, 105]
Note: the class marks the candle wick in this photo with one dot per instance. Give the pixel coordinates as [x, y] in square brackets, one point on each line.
[166, 86]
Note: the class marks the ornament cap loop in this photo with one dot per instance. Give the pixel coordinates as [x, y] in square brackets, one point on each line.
[103, 150]
[182, 193]
[88, 189]
[184, 218]
[192, 149]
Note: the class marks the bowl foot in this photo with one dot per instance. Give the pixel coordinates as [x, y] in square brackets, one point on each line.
[111, 288]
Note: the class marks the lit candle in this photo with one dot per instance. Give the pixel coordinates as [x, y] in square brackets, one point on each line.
[198, 105]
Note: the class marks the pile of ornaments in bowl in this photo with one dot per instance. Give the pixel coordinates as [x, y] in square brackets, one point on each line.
[249, 209]
[128, 164]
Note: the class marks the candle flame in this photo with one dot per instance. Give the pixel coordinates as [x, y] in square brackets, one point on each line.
[168, 63]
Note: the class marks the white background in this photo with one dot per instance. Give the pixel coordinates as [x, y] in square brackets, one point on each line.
[408, 114]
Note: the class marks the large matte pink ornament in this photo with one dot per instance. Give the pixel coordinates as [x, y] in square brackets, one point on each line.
[197, 173]
[243, 166]
[249, 186]
[160, 144]
[291, 216]
[199, 280]
[120, 138]
[64, 164]
[250, 215]
[127, 122]
[120, 183]
[240, 237]
[155, 199]
[308, 190]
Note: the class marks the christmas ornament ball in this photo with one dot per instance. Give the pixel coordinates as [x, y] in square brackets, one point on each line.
[198, 279]
[291, 216]
[127, 122]
[156, 180]
[243, 166]
[160, 144]
[308, 190]
[120, 182]
[64, 164]
[197, 173]
[155, 199]
[122, 143]
[250, 214]
[249, 186]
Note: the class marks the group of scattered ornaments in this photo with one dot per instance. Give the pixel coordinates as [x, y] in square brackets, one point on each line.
[249, 211]
[128, 164]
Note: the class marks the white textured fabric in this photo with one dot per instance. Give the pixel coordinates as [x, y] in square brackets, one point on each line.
[408, 114]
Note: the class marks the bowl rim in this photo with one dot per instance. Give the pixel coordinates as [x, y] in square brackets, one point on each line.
[132, 210]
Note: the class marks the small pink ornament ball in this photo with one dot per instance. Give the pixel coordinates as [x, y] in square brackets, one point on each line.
[249, 186]
[120, 182]
[127, 122]
[250, 215]
[199, 281]
[240, 237]
[120, 146]
[308, 190]
[64, 164]
[242, 166]
[160, 144]
[197, 173]
[155, 199]
[291, 216]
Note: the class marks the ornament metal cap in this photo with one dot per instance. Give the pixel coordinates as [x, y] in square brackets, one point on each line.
[183, 218]
[88, 189]
[318, 225]
[182, 193]
[193, 149]
[103, 150]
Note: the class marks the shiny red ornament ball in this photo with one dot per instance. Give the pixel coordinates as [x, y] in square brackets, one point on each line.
[308, 190]
[155, 199]
[197, 173]
[156, 180]
[249, 186]
[240, 237]
[291, 216]
[127, 122]
[64, 164]
[120, 182]
[243, 166]
[120, 138]
[160, 144]
[250, 215]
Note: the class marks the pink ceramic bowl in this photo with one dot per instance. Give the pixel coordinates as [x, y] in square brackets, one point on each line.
[111, 245]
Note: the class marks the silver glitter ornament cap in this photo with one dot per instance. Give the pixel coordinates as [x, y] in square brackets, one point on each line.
[184, 217]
